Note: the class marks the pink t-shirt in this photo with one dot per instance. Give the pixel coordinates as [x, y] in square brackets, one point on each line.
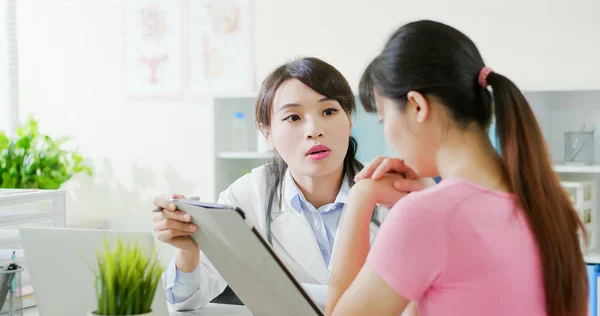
[460, 249]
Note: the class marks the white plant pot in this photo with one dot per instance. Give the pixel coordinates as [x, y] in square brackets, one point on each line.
[146, 314]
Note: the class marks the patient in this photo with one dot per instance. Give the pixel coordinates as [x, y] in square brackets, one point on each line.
[498, 236]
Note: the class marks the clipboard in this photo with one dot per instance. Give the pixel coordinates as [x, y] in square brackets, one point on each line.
[246, 261]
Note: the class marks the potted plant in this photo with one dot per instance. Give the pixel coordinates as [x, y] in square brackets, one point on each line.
[126, 280]
[32, 160]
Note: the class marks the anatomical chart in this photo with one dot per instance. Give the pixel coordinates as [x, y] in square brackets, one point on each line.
[220, 43]
[153, 48]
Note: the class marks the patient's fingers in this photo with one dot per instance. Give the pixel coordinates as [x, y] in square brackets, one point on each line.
[368, 170]
[391, 165]
[384, 167]
[408, 185]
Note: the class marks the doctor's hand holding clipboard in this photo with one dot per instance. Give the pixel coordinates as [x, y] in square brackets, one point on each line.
[174, 227]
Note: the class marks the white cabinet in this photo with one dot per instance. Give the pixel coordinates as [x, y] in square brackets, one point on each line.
[28, 207]
[231, 164]
[558, 112]
[23, 207]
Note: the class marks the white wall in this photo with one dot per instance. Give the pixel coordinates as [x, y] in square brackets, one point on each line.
[72, 76]
[72, 80]
[538, 43]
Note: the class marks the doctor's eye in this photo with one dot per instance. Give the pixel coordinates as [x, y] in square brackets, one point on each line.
[292, 118]
[330, 111]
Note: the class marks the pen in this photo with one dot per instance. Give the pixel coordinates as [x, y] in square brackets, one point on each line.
[13, 259]
[159, 209]
[13, 285]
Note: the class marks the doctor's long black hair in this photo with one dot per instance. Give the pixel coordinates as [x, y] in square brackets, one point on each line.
[325, 80]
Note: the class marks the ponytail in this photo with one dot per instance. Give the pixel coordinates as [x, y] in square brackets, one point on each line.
[351, 165]
[549, 211]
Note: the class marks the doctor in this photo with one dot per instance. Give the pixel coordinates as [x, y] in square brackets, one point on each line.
[304, 109]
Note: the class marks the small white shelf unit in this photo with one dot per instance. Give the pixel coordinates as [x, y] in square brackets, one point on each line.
[558, 112]
[230, 165]
[593, 257]
[577, 169]
[20, 207]
[27, 207]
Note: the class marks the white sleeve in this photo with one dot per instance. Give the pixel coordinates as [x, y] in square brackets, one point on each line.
[194, 290]
[180, 286]
[318, 292]
[382, 213]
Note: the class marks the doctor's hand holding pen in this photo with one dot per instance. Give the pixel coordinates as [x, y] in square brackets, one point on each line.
[174, 227]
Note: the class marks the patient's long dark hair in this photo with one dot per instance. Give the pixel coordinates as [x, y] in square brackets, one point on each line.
[323, 79]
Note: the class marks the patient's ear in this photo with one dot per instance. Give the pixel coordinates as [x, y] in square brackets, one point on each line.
[419, 106]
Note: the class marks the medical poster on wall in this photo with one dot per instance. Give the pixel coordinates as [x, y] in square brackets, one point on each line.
[153, 48]
[220, 47]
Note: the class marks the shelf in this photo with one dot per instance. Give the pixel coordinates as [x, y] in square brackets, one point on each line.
[236, 95]
[9, 238]
[576, 169]
[242, 155]
[15, 196]
[593, 257]
[10, 218]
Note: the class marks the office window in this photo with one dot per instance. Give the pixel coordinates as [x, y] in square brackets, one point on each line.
[9, 92]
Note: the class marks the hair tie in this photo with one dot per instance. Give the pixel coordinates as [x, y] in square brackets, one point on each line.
[483, 74]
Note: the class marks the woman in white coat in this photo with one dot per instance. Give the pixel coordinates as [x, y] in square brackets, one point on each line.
[304, 109]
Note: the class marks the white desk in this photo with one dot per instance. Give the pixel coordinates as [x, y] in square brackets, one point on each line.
[217, 310]
[210, 310]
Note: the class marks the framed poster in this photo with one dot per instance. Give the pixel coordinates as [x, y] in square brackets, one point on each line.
[153, 48]
[220, 47]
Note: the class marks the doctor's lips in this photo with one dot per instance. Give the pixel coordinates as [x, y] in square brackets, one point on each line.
[318, 152]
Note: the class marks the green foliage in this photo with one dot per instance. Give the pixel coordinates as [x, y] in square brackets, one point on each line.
[34, 160]
[126, 279]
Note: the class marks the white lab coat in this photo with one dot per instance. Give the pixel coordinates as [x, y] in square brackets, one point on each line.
[293, 238]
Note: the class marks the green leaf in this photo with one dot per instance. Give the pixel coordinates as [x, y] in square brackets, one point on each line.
[35, 160]
[126, 279]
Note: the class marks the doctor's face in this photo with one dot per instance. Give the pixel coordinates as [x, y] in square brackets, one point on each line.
[310, 132]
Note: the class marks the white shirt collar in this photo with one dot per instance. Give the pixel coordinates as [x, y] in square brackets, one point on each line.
[293, 195]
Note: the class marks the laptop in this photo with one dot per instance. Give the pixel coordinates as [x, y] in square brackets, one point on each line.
[61, 263]
[247, 262]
